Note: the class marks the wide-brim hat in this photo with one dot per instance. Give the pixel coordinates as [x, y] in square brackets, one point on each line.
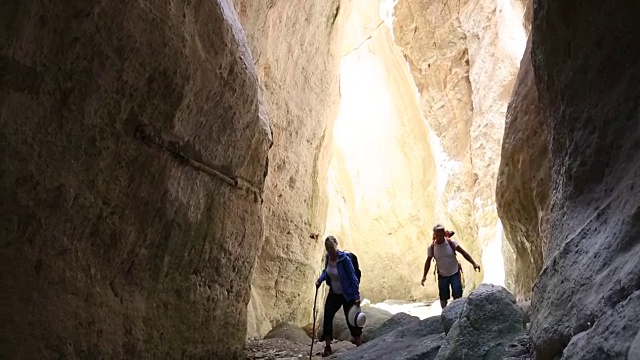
[356, 317]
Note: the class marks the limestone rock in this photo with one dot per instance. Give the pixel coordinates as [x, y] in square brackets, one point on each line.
[115, 246]
[295, 49]
[524, 180]
[452, 312]
[489, 323]
[464, 57]
[590, 100]
[289, 332]
[417, 340]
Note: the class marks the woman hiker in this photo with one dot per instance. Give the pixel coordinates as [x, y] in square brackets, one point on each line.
[340, 275]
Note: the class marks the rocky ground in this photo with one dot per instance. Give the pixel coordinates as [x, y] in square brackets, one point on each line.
[272, 349]
[486, 325]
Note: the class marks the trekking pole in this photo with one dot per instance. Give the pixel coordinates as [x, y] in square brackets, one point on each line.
[313, 333]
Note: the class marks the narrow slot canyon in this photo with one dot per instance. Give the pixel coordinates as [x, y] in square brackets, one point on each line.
[172, 169]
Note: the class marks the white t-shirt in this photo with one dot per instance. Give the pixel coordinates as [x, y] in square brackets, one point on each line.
[332, 273]
[445, 257]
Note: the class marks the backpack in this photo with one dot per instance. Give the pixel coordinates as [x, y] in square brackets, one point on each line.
[356, 266]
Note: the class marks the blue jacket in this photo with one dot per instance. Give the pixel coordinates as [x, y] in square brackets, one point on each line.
[348, 279]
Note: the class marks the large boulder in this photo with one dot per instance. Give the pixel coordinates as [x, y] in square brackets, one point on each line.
[289, 332]
[417, 340]
[134, 151]
[490, 322]
[452, 312]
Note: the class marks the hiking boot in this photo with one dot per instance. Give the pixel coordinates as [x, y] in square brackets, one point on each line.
[327, 351]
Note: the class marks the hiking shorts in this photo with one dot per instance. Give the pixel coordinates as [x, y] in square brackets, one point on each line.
[449, 284]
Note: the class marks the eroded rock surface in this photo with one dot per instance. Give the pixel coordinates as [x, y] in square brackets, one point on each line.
[295, 51]
[584, 56]
[524, 180]
[416, 340]
[112, 247]
[452, 312]
[464, 58]
[490, 322]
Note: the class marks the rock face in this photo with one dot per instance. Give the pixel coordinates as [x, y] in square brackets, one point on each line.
[584, 57]
[490, 321]
[452, 312]
[524, 179]
[418, 340]
[295, 51]
[112, 247]
[464, 58]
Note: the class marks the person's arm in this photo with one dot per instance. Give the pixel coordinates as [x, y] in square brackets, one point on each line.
[323, 276]
[468, 257]
[427, 266]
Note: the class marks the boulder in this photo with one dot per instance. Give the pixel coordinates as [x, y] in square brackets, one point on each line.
[488, 328]
[375, 318]
[290, 332]
[396, 321]
[416, 340]
[452, 312]
[308, 329]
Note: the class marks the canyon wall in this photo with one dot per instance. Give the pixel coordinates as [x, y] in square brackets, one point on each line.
[576, 112]
[464, 57]
[523, 187]
[294, 47]
[119, 237]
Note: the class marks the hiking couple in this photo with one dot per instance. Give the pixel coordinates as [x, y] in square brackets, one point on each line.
[342, 274]
[449, 270]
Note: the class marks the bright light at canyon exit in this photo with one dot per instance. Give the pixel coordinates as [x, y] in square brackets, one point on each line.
[393, 176]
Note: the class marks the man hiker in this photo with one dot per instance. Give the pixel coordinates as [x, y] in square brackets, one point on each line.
[449, 270]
